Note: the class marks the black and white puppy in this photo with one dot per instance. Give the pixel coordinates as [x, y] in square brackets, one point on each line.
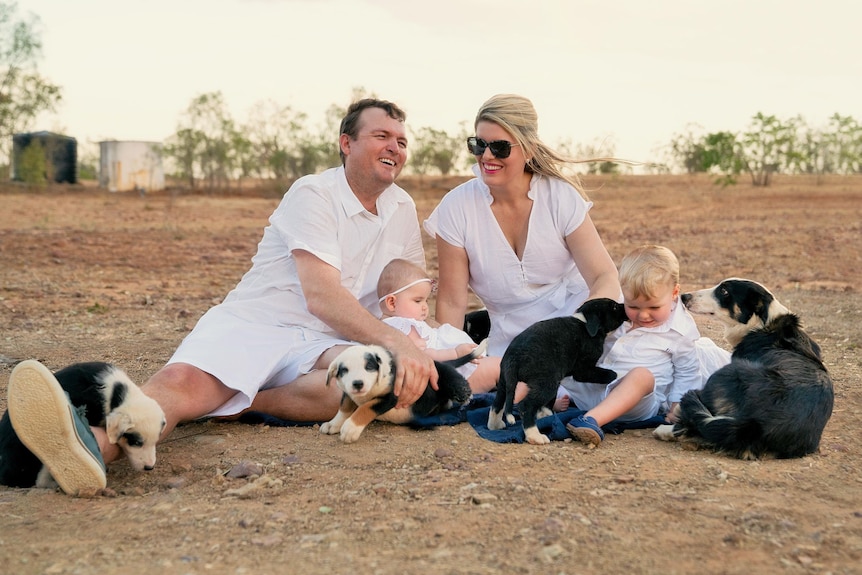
[775, 396]
[546, 352]
[132, 420]
[366, 376]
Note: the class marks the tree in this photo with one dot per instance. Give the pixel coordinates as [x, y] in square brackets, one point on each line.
[24, 94]
[274, 132]
[434, 149]
[205, 142]
[843, 144]
[767, 146]
[687, 150]
[182, 148]
[32, 165]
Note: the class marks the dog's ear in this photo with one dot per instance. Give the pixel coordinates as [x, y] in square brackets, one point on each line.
[594, 323]
[620, 312]
[333, 368]
[386, 370]
[116, 424]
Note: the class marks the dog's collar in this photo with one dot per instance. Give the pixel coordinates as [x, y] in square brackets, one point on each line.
[408, 286]
[579, 316]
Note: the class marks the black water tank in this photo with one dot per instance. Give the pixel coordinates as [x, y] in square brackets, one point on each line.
[61, 154]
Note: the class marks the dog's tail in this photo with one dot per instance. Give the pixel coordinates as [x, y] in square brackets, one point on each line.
[478, 351]
[738, 436]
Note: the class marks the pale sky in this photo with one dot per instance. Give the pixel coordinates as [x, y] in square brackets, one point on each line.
[633, 71]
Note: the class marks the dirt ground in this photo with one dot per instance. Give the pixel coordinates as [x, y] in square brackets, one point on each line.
[88, 275]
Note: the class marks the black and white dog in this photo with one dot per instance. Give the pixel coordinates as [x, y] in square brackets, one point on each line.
[545, 353]
[366, 375]
[132, 420]
[774, 397]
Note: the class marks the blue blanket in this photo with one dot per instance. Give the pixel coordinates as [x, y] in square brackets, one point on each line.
[476, 414]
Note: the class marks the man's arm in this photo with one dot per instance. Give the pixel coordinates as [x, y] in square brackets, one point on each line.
[335, 306]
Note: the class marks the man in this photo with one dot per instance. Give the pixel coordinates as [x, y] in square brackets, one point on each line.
[308, 294]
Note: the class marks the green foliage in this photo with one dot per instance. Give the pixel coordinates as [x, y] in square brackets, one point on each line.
[33, 164]
[277, 143]
[766, 147]
[88, 163]
[842, 145]
[435, 150]
[771, 145]
[24, 94]
[97, 308]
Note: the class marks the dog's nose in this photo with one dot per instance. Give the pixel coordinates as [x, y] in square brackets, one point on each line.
[149, 467]
[357, 385]
[686, 297]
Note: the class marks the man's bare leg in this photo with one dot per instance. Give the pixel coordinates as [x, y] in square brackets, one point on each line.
[307, 398]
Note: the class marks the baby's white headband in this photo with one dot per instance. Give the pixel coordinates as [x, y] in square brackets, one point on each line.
[408, 286]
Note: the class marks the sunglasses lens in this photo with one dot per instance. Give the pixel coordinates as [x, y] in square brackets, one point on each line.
[501, 149]
[476, 146]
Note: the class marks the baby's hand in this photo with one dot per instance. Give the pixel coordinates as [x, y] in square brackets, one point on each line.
[464, 349]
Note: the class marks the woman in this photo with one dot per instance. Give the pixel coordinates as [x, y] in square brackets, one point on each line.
[519, 235]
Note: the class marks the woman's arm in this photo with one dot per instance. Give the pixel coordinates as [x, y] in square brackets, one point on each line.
[452, 283]
[594, 262]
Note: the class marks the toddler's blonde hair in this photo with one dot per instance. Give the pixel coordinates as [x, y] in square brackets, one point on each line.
[647, 269]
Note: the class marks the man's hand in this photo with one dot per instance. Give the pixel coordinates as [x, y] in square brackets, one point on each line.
[414, 370]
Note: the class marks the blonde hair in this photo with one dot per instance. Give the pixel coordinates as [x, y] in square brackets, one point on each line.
[647, 269]
[396, 275]
[518, 117]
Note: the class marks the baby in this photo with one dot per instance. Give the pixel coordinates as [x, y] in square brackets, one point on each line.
[404, 289]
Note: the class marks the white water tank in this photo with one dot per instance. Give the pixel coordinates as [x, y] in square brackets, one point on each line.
[126, 166]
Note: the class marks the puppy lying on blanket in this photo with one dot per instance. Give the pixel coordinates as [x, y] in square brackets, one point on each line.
[774, 397]
[545, 353]
[366, 376]
[112, 400]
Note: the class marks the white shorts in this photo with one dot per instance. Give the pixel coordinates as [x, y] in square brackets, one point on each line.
[248, 357]
[588, 395]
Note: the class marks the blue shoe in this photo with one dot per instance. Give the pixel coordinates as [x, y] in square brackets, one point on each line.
[51, 428]
[586, 430]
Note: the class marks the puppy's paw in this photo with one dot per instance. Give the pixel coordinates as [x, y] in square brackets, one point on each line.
[510, 419]
[350, 432]
[664, 432]
[543, 412]
[44, 480]
[534, 437]
[462, 394]
[495, 420]
[330, 427]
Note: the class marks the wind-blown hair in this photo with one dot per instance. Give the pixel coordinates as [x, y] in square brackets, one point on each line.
[518, 117]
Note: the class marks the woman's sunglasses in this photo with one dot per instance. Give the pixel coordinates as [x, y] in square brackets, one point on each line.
[500, 148]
